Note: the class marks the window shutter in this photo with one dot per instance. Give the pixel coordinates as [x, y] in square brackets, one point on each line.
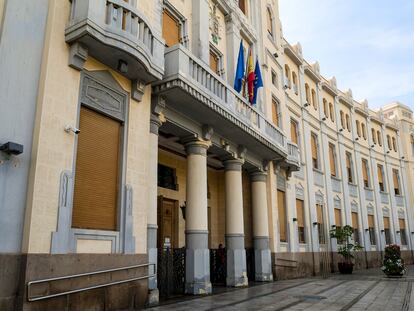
[300, 213]
[386, 222]
[314, 147]
[170, 29]
[275, 112]
[242, 6]
[380, 177]
[338, 217]
[332, 160]
[354, 220]
[402, 223]
[395, 179]
[282, 214]
[371, 221]
[319, 213]
[365, 171]
[293, 131]
[269, 22]
[213, 62]
[97, 167]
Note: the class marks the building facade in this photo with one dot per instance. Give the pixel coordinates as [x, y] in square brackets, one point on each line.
[145, 174]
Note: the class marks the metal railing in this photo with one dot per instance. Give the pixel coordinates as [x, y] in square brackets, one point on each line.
[36, 298]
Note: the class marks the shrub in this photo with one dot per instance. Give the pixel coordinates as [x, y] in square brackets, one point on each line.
[393, 264]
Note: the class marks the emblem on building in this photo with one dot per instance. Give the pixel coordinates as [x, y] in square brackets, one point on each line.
[214, 24]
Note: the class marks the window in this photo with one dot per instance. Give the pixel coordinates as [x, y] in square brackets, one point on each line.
[389, 142]
[242, 6]
[338, 218]
[371, 227]
[331, 112]
[300, 214]
[269, 22]
[315, 153]
[167, 177]
[325, 108]
[321, 231]
[379, 138]
[214, 62]
[365, 173]
[170, 29]
[294, 137]
[364, 130]
[381, 178]
[274, 79]
[403, 233]
[348, 123]
[349, 167]
[281, 208]
[358, 128]
[396, 181]
[355, 227]
[96, 193]
[295, 82]
[275, 112]
[374, 137]
[387, 230]
[307, 91]
[287, 76]
[314, 103]
[332, 159]
[342, 119]
[394, 144]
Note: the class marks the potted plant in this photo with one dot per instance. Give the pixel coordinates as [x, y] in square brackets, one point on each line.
[393, 264]
[345, 248]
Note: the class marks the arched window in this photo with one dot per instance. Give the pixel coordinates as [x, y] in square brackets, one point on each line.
[331, 112]
[394, 144]
[325, 107]
[358, 128]
[348, 123]
[315, 105]
[287, 76]
[342, 119]
[389, 142]
[364, 130]
[307, 91]
[295, 82]
[379, 138]
[269, 22]
[374, 137]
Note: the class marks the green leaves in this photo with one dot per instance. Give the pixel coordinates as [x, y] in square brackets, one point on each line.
[345, 247]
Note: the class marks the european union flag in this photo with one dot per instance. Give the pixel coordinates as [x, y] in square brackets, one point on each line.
[238, 80]
[258, 81]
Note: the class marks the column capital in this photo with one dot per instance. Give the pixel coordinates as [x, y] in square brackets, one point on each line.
[258, 176]
[233, 164]
[155, 123]
[197, 146]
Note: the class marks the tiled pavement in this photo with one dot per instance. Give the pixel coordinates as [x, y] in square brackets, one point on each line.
[363, 290]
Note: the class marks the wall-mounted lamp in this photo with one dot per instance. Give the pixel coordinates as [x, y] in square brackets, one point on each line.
[412, 232]
[294, 219]
[275, 55]
[372, 146]
[333, 226]
[402, 157]
[341, 130]
[388, 151]
[70, 128]
[12, 148]
[315, 223]
[323, 119]
[382, 231]
[357, 138]
[366, 230]
[397, 232]
[183, 207]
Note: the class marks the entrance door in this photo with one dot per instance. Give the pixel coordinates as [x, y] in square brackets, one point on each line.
[167, 223]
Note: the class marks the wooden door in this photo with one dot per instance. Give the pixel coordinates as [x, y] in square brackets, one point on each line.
[167, 222]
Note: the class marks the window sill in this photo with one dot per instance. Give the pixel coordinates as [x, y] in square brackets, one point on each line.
[336, 178]
[317, 170]
[368, 188]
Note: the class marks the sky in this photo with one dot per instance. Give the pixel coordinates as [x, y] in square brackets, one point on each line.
[368, 45]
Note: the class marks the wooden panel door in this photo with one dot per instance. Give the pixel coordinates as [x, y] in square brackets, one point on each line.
[97, 172]
[167, 222]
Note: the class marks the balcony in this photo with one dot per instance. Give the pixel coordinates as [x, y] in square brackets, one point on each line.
[369, 194]
[399, 200]
[117, 34]
[191, 88]
[353, 190]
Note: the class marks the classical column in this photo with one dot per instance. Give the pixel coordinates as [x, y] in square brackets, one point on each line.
[197, 265]
[155, 123]
[262, 257]
[236, 253]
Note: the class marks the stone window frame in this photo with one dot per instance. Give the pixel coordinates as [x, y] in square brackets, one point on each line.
[64, 239]
[220, 57]
[181, 19]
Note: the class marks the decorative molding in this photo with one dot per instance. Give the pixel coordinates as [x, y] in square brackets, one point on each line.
[137, 89]
[370, 209]
[354, 207]
[77, 56]
[337, 202]
[319, 198]
[300, 191]
[385, 212]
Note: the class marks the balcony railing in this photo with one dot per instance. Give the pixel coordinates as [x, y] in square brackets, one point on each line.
[293, 153]
[384, 198]
[369, 194]
[399, 200]
[336, 185]
[353, 190]
[115, 30]
[204, 84]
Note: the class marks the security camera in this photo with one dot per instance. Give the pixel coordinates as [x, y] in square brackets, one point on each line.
[70, 128]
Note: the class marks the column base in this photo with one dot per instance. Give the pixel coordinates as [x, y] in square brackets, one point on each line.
[153, 297]
[236, 261]
[262, 260]
[197, 263]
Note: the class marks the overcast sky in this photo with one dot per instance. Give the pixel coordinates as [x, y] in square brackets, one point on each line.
[367, 44]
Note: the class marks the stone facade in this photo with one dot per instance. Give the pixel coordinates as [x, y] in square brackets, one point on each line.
[228, 163]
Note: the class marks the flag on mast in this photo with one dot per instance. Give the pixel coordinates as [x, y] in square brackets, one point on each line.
[238, 80]
[258, 81]
[250, 77]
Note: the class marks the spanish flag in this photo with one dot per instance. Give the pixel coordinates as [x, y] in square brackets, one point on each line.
[250, 76]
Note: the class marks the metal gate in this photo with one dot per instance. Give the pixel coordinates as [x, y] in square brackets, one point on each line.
[250, 264]
[171, 272]
[218, 266]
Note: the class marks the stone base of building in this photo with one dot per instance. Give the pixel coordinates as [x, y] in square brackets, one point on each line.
[17, 270]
